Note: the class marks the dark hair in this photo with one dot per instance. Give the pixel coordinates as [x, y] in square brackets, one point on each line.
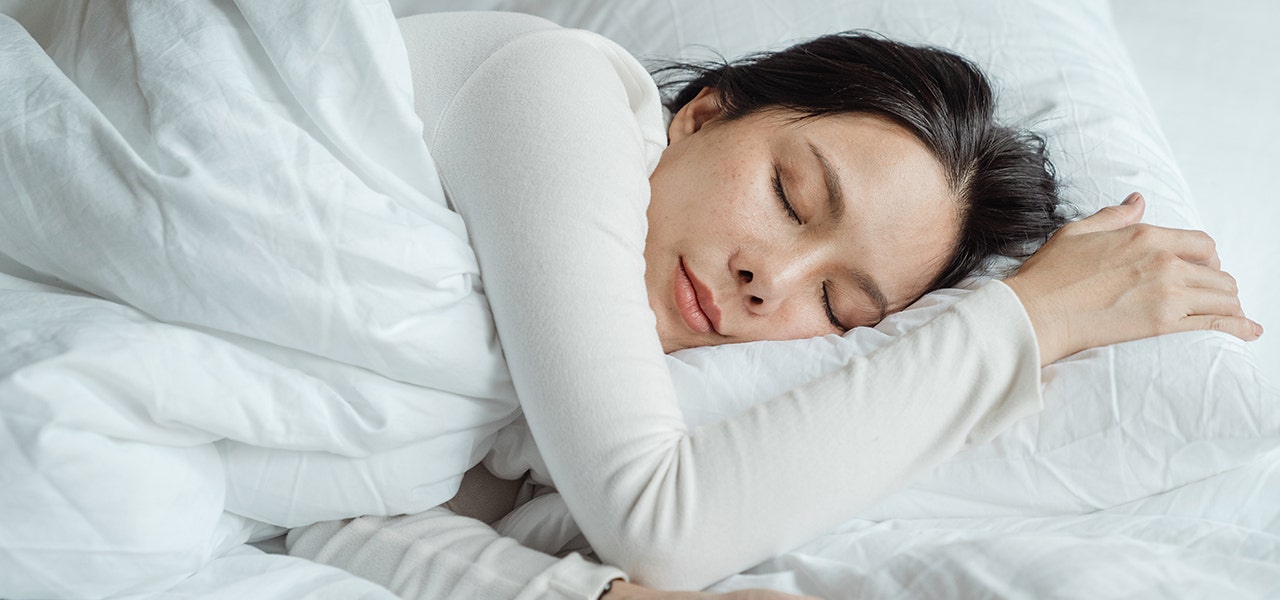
[1001, 176]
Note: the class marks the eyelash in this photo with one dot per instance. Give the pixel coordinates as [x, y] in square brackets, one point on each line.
[791, 212]
[831, 315]
[782, 197]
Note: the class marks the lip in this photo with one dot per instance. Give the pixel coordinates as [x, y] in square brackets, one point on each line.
[695, 302]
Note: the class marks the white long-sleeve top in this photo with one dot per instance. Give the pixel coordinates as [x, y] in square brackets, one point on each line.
[544, 138]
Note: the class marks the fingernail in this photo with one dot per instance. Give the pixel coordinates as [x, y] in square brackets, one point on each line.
[1132, 198]
[1257, 329]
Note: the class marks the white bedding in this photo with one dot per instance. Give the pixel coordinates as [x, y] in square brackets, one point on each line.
[280, 318]
[1154, 470]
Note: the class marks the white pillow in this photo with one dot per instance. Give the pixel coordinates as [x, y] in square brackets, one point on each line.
[1121, 423]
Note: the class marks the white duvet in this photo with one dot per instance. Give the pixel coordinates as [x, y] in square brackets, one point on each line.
[237, 293]
[232, 298]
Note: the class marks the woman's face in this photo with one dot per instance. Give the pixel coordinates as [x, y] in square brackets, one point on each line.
[867, 223]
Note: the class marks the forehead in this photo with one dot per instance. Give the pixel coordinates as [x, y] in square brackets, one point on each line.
[874, 150]
[904, 218]
[858, 137]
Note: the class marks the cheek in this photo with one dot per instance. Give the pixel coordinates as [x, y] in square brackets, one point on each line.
[797, 321]
[677, 193]
[745, 208]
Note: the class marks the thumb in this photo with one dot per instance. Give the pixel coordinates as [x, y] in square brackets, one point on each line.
[1110, 218]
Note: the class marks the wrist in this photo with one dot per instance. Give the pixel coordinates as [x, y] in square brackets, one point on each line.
[1044, 323]
[616, 590]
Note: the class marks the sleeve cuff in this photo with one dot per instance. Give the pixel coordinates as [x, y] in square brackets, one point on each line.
[1012, 338]
[573, 578]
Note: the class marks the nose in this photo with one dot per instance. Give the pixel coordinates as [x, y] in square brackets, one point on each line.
[767, 280]
[755, 303]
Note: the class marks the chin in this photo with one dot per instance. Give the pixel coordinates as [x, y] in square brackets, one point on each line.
[670, 344]
[674, 341]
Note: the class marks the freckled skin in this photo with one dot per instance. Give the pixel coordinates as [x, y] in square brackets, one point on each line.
[714, 206]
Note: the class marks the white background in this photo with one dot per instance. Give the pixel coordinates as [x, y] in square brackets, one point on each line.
[1211, 69]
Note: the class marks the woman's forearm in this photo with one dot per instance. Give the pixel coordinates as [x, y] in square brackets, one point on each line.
[437, 554]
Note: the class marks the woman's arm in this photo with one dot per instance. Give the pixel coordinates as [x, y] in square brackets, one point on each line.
[453, 551]
[437, 554]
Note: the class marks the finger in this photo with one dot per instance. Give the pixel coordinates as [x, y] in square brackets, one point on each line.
[1240, 327]
[1207, 302]
[1200, 276]
[1110, 218]
[1195, 247]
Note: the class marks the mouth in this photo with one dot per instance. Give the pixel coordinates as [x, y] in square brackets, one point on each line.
[694, 300]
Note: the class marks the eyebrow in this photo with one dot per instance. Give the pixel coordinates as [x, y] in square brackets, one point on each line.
[835, 194]
[872, 290]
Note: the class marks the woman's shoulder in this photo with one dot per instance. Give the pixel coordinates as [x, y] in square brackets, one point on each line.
[543, 67]
[469, 39]
[464, 40]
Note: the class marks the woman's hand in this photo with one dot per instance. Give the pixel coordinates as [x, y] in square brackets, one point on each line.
[622, 590]
[1109, 279]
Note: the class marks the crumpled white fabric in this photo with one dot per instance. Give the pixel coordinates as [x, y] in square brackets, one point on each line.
[239, 288]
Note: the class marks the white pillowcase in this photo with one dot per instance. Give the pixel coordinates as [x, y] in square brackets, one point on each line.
[1121, 423]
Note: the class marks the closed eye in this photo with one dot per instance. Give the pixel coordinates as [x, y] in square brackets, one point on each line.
[831, 315]
[782, 196]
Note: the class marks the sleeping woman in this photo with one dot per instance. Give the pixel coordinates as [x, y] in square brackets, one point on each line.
[796, 194]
